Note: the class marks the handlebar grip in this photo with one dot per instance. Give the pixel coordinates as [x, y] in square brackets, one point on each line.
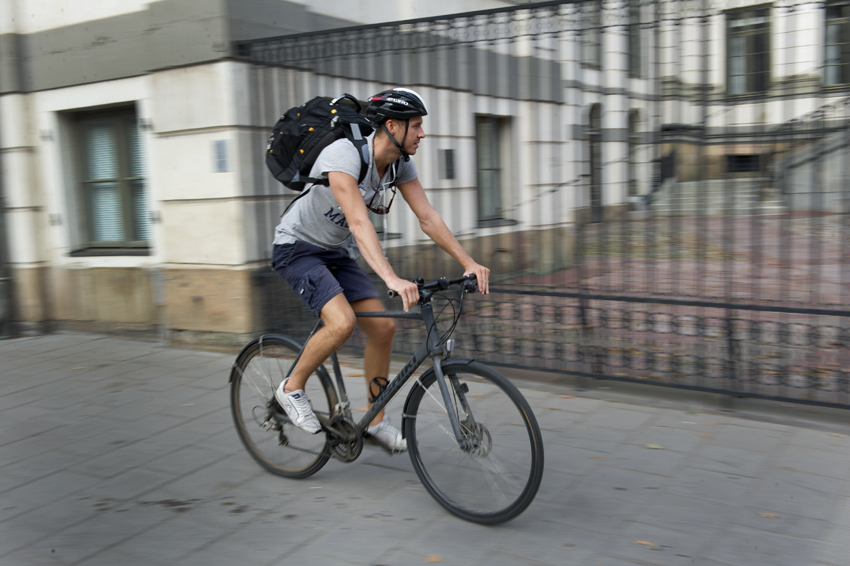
[469, 283]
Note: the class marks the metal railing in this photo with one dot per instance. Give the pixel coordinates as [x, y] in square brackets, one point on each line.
[730, 276]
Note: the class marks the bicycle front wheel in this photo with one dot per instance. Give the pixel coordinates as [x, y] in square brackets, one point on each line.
[494, 473]
[263, 427]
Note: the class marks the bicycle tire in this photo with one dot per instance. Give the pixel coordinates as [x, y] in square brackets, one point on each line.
[497, 479]
[257, 372]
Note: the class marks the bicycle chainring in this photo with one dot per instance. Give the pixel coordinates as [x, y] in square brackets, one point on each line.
[349, 449]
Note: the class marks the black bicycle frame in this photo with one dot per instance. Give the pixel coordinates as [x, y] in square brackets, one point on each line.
[432, 348]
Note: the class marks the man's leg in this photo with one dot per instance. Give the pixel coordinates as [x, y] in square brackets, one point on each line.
[339, 324]
[379, 344]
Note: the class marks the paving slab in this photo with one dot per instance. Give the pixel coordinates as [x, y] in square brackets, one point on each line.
[116, 451]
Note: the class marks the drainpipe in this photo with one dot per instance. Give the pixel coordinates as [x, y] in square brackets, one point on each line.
[5, 274]
[9, 82]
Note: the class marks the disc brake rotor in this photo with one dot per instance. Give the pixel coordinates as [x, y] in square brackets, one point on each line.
[479, 441]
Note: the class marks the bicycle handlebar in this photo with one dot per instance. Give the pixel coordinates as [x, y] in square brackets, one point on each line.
[468, 282]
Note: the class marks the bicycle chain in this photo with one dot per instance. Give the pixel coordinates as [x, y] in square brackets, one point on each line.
[338, 450]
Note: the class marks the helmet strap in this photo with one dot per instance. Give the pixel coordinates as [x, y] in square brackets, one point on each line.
[400, 146]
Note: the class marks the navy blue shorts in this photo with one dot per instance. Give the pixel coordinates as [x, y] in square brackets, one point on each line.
[318, 275]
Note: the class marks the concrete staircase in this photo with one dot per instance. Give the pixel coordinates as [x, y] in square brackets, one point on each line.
[715, 197]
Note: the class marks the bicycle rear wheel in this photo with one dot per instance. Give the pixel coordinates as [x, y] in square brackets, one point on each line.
[496, 476]
[263, 427]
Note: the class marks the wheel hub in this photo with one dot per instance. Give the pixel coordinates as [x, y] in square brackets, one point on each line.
[267, 418]
[477, 437]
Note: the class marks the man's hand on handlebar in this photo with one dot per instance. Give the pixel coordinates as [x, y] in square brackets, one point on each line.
[482, 274]
[407, 290]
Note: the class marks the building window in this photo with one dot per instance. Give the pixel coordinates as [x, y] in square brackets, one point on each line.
[113, 186]
[594, 138]
[635, 40]
[447, 163]
[491, 134]
[837, 56]
[634, 143]
[742, 164]
[749, 50]
[591, 38]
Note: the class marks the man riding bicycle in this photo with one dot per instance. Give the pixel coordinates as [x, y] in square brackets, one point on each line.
[319, 238]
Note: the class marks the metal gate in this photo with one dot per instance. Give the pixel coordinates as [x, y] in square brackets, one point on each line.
[708, 236]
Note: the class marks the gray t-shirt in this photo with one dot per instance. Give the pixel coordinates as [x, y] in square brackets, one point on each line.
[317, 218]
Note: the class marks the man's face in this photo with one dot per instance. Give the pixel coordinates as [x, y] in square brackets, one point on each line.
[414, 134]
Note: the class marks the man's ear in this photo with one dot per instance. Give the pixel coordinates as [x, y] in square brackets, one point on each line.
[394, 126]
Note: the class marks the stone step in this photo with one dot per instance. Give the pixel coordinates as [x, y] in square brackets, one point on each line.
[739, 199]
[694, 209]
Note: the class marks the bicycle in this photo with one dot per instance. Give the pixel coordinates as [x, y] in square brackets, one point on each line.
[472, 437]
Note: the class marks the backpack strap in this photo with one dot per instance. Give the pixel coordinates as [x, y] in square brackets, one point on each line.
[361, 144]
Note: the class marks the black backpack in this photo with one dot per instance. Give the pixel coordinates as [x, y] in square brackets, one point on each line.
[304, 131]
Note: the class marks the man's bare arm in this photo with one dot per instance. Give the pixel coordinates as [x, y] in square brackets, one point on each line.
[348, 196]
[435, 227]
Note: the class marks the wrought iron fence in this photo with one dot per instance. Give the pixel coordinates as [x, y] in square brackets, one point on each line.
[718, 262]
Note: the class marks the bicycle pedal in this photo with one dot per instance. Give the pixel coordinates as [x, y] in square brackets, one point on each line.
[368, 439]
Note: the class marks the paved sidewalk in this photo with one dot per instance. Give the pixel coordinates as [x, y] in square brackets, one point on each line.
[121, 452]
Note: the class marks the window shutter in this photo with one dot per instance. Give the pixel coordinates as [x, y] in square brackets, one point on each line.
[138, 186]
[107, 222]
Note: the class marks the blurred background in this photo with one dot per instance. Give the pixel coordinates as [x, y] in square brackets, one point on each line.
[659, 186]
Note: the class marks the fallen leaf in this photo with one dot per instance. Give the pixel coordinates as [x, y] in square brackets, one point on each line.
[769, 515]
[566, 396]
[654, 446]
[649, 545]
[704, 435]
[433, 558]
[188, 404]
[597, 458]
[837, 435]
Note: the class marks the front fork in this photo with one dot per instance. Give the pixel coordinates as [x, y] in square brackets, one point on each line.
[459, 388]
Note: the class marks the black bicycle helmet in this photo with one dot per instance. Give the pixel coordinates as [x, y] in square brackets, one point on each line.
[397, 103]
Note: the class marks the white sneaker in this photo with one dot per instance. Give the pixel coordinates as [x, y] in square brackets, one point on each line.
[387, 436]
[298, 409]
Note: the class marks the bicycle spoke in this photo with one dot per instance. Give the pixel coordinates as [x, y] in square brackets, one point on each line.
[442, 423]
[263, 395]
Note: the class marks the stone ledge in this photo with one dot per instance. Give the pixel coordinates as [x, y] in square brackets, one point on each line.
[639, 215]
[841, 205]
